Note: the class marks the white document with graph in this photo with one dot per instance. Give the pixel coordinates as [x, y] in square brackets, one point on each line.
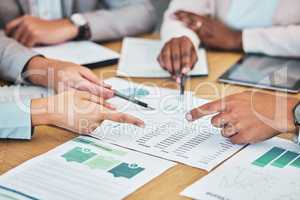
[266, 171]
[83, 168]
[167, 133]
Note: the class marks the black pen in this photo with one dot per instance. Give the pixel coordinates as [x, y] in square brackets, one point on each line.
[183, 79]
[132, 99]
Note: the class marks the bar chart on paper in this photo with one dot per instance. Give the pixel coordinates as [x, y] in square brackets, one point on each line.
[278, 157]
[268, 170]
[167, 133]
[81, 166]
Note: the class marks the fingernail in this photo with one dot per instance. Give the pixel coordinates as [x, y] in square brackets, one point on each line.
[185, 70]
[189, 117]
[107, 85]
[141, 124]
[112, 106]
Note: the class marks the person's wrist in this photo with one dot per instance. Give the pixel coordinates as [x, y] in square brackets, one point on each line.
[237, 41]
[71, 30]
[37, 71]
[39, 112]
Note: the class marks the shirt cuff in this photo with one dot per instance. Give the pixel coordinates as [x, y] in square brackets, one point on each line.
[15, 120]
[15, 73]
[251, 40]
[178, 30]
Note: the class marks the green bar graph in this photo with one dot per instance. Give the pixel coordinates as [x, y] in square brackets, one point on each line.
[268, 157]
[285, 159]
[296, 163]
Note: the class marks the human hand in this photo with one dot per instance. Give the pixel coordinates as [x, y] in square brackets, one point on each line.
[63, 76]
[31, 31]
[212, 32]
[178, 57]
[77, 111]
[250, 117]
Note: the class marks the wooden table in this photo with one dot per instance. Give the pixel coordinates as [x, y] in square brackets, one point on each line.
[169, 184]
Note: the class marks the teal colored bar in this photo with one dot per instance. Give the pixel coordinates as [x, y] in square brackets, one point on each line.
[268, 157]
[296, 163]
[285, 159]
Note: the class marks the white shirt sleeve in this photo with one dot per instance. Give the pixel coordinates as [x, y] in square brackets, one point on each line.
[274, 41]
[171, 27]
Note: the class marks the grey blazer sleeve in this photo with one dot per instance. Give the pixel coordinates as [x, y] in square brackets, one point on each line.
[121, 18]
[13, 58]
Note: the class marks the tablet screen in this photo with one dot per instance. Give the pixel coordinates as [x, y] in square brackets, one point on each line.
[265, 71]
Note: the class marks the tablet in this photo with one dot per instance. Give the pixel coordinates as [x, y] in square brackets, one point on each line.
[275, 73]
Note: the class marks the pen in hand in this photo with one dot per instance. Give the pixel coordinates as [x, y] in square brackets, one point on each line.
[132, 99]
[183, 79]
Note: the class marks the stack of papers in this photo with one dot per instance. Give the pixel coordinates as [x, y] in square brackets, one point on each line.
[167, 133]
[84, 168]
[139, 59]
[81, 53]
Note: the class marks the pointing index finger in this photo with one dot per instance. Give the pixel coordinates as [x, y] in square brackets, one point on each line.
[207, 109]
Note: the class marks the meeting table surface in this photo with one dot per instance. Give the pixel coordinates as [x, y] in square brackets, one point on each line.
[172, 182]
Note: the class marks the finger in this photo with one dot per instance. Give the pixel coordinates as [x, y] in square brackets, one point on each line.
[85, 85]
[89, 75]
[166, 58]
[161, 62]
[20, 31]
[25, 38]
[30, 42]
[184, 18]
[175, 55]
[123, 118]
[194, 58]
[91, 127]
[186, 57]
[97, 100]
[195, 26]
[222, 119]
[229, 130]
[240, 138]
[11, 26]
[207, 109]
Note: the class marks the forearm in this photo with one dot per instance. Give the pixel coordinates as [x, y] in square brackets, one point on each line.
[117, 23]
[275, 41]
[13, 58]
[39, 112]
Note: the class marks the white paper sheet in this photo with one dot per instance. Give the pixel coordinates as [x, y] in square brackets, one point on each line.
[82, 52]
[84, 168]
[167, 134]
[18, 92]
[249, 176]
[139, 59]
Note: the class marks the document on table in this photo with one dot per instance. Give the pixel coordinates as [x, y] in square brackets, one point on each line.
[82, 52]
[139, 59]
[19, 92]
[269, 170]
[167, 134]
[84, 168]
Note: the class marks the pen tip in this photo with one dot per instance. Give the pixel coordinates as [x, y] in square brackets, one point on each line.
[150, 108]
